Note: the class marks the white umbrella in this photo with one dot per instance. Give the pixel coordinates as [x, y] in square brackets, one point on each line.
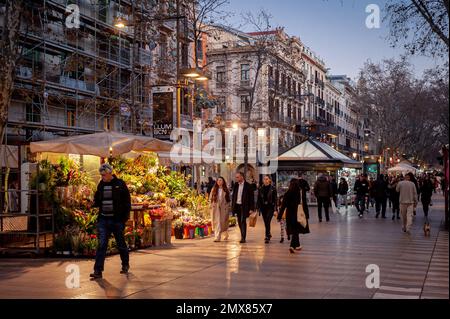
[101, 144]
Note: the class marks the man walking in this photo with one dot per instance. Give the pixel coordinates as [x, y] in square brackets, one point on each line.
[408, 200]
[114, 203]
[323, 193]
[242, 203]
[380, 190]
[342, 193]
[361, 190]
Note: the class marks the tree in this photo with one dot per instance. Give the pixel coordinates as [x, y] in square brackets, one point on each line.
[423, 25]
[10, 54]
[407, 114]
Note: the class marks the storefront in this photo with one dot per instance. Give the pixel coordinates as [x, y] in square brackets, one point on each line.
[310, 159]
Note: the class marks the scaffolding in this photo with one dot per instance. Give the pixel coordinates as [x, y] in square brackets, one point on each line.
[95, 77]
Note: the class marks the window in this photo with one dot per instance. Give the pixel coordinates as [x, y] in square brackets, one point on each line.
[33, 111]
[71, 115]
[245, 103]
[222, 105]
[184, 55]
[199, 49]
[107, 123]
[245, 72]
[270, 72]
[220, 74]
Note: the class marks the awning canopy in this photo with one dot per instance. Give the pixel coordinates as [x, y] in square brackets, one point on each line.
[316, 154]
[402, 167]
[101, 144]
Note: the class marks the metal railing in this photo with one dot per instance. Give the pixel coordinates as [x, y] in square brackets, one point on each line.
[26, 229]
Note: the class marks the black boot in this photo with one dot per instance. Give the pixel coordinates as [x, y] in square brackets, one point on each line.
[96, 275]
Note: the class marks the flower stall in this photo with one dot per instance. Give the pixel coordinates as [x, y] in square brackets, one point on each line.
[163, 205]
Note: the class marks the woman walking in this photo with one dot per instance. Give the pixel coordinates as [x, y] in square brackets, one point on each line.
[267, 204]
[220, 200]
[291, 200]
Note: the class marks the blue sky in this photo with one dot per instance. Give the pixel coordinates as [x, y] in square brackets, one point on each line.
[335, 29]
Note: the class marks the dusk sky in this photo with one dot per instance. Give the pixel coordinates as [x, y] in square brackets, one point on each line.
[334, 29]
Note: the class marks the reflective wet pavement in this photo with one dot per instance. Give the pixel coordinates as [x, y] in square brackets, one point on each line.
[331, 265]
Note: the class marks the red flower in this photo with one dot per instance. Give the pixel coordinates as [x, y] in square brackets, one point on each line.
[93, 236]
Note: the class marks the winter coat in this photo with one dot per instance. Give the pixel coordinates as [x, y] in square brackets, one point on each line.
[322, 188]
[380, 189]
[290, 204]
[361, 188]
[220, 213]
[248, 199]
[271, 203]
[120, 196]
[343, 188]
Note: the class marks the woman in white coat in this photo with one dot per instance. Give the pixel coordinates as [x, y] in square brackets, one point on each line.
[220, 200]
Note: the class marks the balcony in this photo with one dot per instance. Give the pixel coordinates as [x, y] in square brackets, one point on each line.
[245, 84]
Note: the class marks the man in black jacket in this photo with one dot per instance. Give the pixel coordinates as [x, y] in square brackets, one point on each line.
[242, 203]
[361, 190]
[380, 192]
[114, 203]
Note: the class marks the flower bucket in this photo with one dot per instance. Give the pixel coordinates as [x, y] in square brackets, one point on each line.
[201, 231]
[186, 232]
[179, 232]
[191, 232]
[206, 230]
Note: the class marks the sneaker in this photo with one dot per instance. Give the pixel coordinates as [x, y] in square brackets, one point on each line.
[266, 241]
[96, 275]
[360, 215]
[292, 250]
[242, 241]
[377, 215]
[299, 247]
[124, 270]
[393, 217]
[404, 229]
[281, 240]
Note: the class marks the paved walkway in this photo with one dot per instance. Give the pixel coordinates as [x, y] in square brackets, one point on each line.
[332, 265]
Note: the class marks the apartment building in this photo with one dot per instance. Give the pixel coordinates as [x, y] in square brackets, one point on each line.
[233, 62]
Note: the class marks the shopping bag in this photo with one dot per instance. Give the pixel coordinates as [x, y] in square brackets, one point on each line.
[252, 219]
[301, 217]
[333, 207]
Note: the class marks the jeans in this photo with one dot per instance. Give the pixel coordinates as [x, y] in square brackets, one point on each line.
[105, 227]
[267, 214]
[360, 203]
[342, 199]
[325, 202]
[381, 204]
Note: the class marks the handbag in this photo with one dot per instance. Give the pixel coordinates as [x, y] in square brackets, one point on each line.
[333, 207]
[301, 217]
[252, 219]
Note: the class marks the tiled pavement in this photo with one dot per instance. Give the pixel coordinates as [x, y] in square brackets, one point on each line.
[332, 265]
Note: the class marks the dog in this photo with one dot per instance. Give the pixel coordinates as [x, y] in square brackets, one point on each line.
[427, 229]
